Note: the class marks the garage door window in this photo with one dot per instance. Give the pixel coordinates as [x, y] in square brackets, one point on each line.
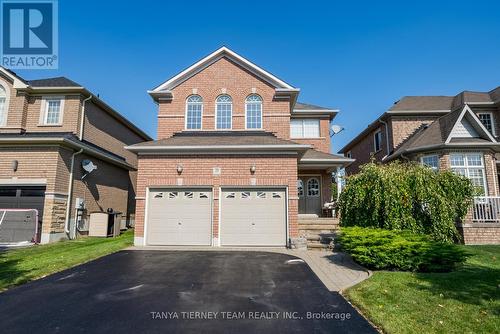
[203, 195]
[8, 192]
[230, 195]
[159, 195]
[188, 194]
[173, 194]
[276, 195]
[245, 194]
[261, 194]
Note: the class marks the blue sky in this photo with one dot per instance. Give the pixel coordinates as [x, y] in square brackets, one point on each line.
[357, 56]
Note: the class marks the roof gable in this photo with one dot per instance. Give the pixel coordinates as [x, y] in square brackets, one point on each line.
[468, 125]
[215, 56]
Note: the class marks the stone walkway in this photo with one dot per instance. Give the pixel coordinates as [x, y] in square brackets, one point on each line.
[337, 271]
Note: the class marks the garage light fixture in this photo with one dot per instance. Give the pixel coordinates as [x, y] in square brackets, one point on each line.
[179, 169]
[253, 169]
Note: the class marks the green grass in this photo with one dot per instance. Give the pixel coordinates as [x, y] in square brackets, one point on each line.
[19, 266]
[464, 301]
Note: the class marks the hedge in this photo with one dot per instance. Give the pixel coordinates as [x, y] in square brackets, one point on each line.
[399, 250]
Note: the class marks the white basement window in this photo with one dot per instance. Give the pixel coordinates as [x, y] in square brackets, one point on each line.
[304, 128]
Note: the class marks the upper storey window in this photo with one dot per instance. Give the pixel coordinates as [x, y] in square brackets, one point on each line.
[194, 111]
[487, 120]
[304, 128]
[3, 106]
[224, 112]
[253, 112]
[52, 111]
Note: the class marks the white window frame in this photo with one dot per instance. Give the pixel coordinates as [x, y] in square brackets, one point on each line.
[377, 133]
[45, 108]
[186, 113]
[492, 117]
[430, 156]
[467, 167]
[217, 103]
[6, 104]
[302, 121]
[261, 112]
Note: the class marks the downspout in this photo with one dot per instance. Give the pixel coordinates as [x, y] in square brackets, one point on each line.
[386, 137]
[70, 184]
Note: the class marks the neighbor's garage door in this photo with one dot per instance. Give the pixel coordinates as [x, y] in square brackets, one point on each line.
[253, 217]
[179, 217]
[14, 227]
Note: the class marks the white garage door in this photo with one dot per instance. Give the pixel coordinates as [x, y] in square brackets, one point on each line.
[179, 217]
[253, 217]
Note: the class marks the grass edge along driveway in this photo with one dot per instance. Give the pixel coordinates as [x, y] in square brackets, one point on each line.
[18, 266]
[464, 301]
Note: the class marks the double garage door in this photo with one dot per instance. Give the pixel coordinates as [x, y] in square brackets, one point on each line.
[248, 217]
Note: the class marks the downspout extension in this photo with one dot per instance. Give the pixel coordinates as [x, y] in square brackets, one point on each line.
[70, 193]
[386, 137]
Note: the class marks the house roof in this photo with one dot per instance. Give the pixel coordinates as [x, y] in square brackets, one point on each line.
[307, 106]
[53, 82]
[312, 155]
[440, 133]
[222, 52]
[66, 139]
[63, 84]
[429, 105]
[218, 140]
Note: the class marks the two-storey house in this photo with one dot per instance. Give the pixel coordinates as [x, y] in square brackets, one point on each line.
[443, 132]
[237, 162]
[49, 129]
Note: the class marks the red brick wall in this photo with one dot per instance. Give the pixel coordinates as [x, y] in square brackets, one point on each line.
[17, 105]
[403, 127]
[323, 142]
[238, 83]
[271, 171]
[364, 150]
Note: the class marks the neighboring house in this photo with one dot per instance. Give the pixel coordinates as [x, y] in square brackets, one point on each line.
[47, 128]
[237, 162]
[459, 132]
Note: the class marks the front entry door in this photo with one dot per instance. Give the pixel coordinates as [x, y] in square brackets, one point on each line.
[309, 192]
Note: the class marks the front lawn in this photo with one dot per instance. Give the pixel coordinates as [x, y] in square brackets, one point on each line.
[463, 301]
[19, 266]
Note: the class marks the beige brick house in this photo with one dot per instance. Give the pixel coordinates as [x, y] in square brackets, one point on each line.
[47, 128]
[238, 161]
[443, 132]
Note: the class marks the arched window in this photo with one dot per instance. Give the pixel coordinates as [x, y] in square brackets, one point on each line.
[313, 187]
[194, 111]
[224, 112]
[300, 188]
[253, 112]
[3, 106]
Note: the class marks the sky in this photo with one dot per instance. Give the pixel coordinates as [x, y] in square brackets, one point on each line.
[357, 56]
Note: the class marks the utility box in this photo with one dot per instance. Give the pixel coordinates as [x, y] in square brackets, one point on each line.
[104, 224]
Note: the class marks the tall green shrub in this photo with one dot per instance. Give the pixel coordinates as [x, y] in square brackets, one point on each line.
[406, 196]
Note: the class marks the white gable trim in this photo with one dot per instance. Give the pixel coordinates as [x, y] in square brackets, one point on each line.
[476, 124]
[17, 82]
[212, 58]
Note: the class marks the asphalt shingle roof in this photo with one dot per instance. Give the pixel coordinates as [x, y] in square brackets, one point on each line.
[53, 82]
[307, 106]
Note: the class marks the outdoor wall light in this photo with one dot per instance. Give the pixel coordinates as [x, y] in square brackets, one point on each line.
[179, 169]
[253, 169]
[15, 164]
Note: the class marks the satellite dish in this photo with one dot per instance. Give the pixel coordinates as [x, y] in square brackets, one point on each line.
[336, 128]
[88, 166]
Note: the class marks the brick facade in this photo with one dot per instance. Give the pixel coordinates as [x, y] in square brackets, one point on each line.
[110, 186]
[235, 171]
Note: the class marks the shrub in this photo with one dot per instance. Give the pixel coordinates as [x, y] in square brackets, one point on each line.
[399, 250]
[406, 196]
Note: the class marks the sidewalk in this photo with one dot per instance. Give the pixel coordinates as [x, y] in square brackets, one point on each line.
[337, 271]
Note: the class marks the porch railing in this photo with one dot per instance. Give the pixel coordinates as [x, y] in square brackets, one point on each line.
[486, 209]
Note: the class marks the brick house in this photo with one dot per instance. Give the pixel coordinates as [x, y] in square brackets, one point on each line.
[443, 132]
[47, 128]
[238, 160]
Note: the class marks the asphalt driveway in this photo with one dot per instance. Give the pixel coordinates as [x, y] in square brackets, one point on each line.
[174, 291]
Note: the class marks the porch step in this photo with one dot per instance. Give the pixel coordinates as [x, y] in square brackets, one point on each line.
[325, 227]
[318, 232]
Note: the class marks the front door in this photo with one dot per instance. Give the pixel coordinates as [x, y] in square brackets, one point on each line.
[309, 191]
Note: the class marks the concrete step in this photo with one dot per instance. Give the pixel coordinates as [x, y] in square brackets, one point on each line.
[318, 246]
[318, 227]
[316, 221]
